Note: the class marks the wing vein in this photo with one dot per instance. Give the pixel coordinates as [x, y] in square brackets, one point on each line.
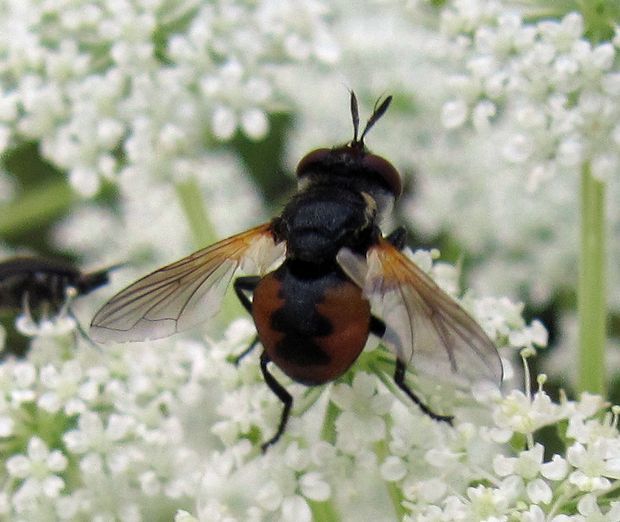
[183, 293]
[424, 325]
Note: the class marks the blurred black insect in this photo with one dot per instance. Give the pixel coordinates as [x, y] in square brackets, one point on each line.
[332, 266]
[41, 286]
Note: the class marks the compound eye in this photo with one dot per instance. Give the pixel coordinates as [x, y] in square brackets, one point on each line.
[310, 161]
[386, 172]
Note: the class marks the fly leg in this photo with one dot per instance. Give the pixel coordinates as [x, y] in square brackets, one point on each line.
[237, 358]
[241, 286]
[377, 327]
[399, 379]
[81, 332]
[285, 397]
[70, 294]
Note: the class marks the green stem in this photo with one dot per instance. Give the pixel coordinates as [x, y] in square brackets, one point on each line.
[328, 430]
[591, 290]
[324, 511]
[190, 199]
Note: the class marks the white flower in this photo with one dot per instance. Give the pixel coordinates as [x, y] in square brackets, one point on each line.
[588, 506]
[184, 516]
[595, 464]
[428, 491]
[363, 410]
[393, 469]
[296, 509]
[521, 414]
[39, 471]
[98, 80]
[20, 379]
[138, 94]
[585, 430]
[533, 514]
[38, 461]
[63, 388]
[533, 335]
[527, 464]
[7, 424]
[487, 503]
[544, 102]
[91, 435]
[454, 114]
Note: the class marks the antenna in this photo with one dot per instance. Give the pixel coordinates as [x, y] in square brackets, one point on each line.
[378, 111]
[355, 115]
[376, 114]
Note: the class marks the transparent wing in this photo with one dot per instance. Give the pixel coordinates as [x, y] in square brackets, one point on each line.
[424, 325]
[186, 293]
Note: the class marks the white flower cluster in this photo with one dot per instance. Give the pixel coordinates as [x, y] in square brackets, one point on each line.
[544, 103]
[149, 223]
[482, 470]
[102, 83]
[132, 91]
[513, 208]
[137, 432]
[520, 484]
[97, 436]
[560, 92]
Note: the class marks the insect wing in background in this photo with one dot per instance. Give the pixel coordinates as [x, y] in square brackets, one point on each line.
[185, 293]
[424, 325]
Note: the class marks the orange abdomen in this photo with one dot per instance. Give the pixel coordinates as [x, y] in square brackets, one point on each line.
[312, 326]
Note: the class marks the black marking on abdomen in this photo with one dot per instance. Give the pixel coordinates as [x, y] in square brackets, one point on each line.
[299, 320]
[300, 323]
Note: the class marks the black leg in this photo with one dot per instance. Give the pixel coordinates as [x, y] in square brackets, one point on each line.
[284, 396]
[398, 238]
[245, 284]
[237, 359]
[377, 326]
[79, 330]
[399, 379]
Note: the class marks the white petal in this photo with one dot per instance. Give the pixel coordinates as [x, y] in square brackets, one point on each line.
[314, 487]
[556, 469]
[539, 492]
[296, 509]
[52, 486]
[454, 114]
[56, 461]
[393, 469]
[18, 466]
[37, 449]
[269, 497]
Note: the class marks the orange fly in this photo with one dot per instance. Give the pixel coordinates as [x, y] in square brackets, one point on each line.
[338, 279]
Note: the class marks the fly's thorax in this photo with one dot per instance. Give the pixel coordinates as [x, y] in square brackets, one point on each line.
[323, 218]
[359, 181]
